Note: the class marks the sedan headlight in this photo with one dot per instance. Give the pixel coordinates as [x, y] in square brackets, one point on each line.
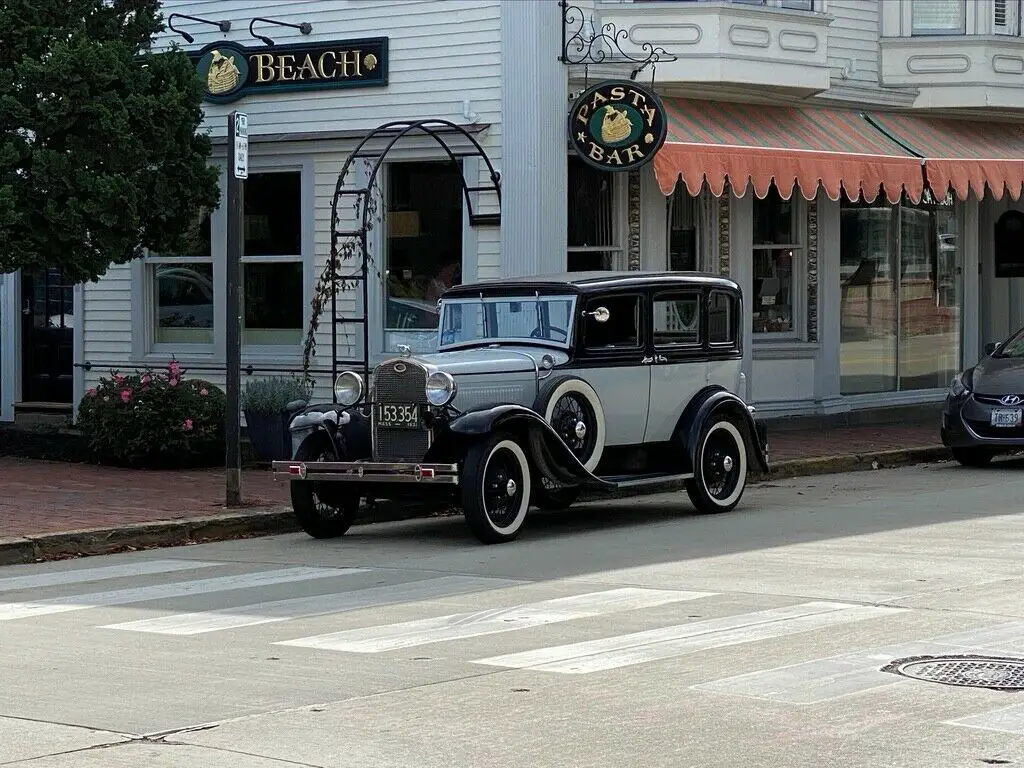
[441, 388]
[348, 388]
[961, 384]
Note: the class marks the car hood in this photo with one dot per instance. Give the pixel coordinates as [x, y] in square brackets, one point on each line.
[491, 359]
[999, 376]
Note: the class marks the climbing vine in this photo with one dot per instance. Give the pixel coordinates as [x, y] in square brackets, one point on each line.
[344, 248]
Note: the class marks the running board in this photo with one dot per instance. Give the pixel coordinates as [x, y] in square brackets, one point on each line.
[628, 481]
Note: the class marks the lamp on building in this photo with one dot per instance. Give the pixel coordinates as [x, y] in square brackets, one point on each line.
[224, 26]
[305, 28]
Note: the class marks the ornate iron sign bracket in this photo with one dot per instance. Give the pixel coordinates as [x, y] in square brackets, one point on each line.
[583, 44]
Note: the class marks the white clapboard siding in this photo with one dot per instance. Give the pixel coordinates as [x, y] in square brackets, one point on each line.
[854, 35]
[442, 53]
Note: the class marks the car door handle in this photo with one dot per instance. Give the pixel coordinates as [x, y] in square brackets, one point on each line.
[660, 359]
[647, 361]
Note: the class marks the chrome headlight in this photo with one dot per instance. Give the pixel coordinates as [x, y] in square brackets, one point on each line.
[441, 388]
[348, 388]
[960, 385]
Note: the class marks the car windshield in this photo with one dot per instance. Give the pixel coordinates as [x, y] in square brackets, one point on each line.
[545, 319]
[1014, 347]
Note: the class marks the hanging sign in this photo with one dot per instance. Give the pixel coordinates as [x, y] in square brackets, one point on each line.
[617, 125]
[230, 71]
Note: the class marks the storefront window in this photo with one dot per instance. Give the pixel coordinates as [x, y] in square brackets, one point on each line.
[594, 242]
[938, 17]
[778, 235]
[272, 273]
[424, 246]
[183, 311]
[901, 296]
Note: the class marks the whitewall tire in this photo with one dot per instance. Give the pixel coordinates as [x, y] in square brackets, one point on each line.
[496, 484]
[573, 409]
[720, 467]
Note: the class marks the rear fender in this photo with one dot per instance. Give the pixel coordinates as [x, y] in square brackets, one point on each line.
[548, 452]
[716, 401]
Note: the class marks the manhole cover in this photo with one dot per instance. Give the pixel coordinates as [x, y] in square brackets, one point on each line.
[995, 672]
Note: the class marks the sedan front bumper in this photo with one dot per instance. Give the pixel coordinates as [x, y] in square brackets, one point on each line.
[377, 472]
[967, 423]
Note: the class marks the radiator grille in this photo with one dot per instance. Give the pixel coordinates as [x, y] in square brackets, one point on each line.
[398, 386]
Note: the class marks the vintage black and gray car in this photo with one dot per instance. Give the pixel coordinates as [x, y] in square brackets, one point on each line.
[541, 389]
[984, 406]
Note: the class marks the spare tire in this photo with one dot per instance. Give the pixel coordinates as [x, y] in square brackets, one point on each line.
[573, 409]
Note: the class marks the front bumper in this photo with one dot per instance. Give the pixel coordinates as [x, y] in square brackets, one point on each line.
[379, 472]
[966, 423]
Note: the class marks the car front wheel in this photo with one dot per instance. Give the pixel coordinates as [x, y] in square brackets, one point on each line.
[720, 468]
[495, 482]
[324, 510]
[973, 457]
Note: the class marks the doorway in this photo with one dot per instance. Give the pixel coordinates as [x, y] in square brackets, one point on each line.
[47, 336]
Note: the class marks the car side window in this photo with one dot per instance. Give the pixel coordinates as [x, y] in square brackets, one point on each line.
[720, 320]
[677, 319]
[622, 328]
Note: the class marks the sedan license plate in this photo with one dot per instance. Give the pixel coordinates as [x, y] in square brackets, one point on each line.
[1006, 417]
[398, 416]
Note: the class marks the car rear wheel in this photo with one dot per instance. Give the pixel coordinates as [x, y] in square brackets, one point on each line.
[495, 483]
[720, 468]
[973, 457]
[324, 510]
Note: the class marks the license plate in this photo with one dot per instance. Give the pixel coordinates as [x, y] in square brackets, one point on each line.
[398, 416]
[1006, 417]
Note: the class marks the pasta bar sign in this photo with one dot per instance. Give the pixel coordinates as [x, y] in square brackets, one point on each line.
[230, 71]
[617, 126]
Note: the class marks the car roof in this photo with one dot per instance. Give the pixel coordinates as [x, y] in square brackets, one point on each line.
[592, 282]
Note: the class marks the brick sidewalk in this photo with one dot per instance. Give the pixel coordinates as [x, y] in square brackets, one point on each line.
[46, 497]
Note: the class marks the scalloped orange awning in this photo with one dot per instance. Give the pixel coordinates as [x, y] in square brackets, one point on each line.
[755, 145]
[962, 154]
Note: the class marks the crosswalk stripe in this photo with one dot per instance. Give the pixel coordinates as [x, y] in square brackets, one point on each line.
[201, 622]
[670, 642]
[460, 626]
[82, 575]
[818, 680]
[11, 611]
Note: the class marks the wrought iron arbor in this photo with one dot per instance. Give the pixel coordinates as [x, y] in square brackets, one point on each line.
[347, 244]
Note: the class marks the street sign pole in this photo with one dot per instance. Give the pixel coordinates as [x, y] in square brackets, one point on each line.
[238, 138]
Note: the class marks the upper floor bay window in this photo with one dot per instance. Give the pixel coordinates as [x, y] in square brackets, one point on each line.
[793, 5]
[778, 252]
[938, 17]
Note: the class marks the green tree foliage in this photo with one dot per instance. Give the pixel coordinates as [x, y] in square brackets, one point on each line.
[99, 151]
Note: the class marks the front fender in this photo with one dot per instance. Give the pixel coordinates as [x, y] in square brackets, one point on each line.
[548, 451]
[715, 401]
[348, 429]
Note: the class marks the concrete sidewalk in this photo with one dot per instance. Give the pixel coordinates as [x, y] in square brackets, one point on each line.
[51, 509]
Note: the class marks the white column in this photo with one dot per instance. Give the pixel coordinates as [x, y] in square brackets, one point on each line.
[10, 342]
[78, 346]
[826, 367]
[970, 259]
[534, 110]
[741, 268]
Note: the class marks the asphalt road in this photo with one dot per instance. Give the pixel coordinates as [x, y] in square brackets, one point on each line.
[626, 634]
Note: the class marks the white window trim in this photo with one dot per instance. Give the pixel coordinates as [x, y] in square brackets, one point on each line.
[1012, 13]
[146, 351]
[620, 225]
[799, 296]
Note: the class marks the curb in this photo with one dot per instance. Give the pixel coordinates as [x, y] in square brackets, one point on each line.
[242, 525]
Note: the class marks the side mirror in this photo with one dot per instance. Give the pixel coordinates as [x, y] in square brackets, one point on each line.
[991, 347]
[600, 315]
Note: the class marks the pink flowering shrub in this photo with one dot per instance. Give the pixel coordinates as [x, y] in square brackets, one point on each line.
[154, 419]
